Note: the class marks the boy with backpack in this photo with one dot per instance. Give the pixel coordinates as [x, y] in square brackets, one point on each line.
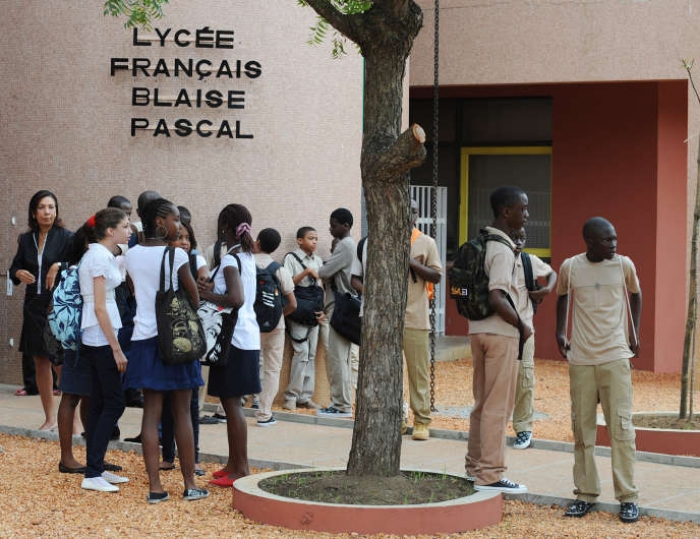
[273, 284]
[336, 276]
[304, 323]
[495, 331]
[528, 269]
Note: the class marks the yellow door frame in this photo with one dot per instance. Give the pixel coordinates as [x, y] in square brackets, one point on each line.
[464, 183]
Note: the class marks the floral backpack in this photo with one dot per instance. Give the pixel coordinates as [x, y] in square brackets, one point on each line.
[65, 316]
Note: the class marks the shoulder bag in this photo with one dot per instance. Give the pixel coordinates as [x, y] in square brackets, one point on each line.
[180, 334]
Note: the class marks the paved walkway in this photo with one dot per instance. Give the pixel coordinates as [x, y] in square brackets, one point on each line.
[669, 486]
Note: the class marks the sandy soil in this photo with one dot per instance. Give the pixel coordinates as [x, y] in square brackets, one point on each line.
[37, 501]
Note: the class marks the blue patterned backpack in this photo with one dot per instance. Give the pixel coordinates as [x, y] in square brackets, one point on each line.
[64, 318]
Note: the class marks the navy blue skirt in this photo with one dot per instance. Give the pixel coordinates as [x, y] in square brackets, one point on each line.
[75, 375]
[240, 376]
[146, 370]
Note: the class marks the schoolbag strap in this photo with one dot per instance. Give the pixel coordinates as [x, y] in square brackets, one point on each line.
[308, 331]
[527, 269]
[361, 247]
[162, 271]
[297, 257]
[627, 300]
[211, 278]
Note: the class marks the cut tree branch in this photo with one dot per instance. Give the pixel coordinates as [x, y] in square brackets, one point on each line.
[407, 152]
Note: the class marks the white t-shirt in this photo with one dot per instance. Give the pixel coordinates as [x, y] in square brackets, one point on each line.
[246, 335]
[98, 262]
[143, 266]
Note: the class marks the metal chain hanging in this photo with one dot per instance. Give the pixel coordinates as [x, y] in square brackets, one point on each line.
[433, 201]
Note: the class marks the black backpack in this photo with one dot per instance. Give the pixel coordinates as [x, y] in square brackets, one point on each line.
[268, 298]
[309, 301]
[469, 283]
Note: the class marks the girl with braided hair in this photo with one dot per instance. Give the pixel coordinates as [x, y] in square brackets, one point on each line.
[146, 370]
[234, 286]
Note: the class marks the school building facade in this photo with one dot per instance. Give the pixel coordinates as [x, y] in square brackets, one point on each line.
[584, 104]
[587, 106]
[222, 101]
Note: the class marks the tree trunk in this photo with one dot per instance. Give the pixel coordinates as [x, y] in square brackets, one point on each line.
[386, 160]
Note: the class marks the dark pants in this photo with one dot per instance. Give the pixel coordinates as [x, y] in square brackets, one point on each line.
[168, 430]
[106, 405]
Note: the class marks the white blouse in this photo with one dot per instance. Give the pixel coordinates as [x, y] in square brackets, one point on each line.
[246, 335]
[143, 266]
[98, 262]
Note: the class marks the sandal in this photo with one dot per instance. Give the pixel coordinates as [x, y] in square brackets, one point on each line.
[21, 392]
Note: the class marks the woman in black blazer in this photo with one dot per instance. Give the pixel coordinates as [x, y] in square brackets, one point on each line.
[36, 264]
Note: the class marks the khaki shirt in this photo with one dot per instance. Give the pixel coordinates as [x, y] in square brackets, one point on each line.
[500, 267]
[424, 249]
[599, 321]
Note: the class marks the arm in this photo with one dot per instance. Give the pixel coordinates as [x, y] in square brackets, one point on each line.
[562, 305]
[538, 295]
[424, 272]
[499, 302]
[17, 272]
[357, 284]
[234, 289]
[100, 291]
[186, 281]
[341, 258]
[636, 308]
[291, 305]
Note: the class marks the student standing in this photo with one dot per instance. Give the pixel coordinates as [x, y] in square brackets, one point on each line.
[161, 223]
[336, 276]
[606, 295]
[272, 342]
[235, 286]
[494, 343]
[100, 275]
[524, 410]
[303, 266]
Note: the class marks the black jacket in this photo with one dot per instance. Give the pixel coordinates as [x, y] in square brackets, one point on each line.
[59, 243]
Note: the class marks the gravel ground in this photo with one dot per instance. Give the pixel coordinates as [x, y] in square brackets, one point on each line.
[37, 501]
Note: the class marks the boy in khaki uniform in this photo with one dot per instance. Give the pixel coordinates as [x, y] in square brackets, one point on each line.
[605, 291]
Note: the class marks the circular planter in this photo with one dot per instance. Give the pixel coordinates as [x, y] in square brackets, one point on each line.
[667, 441]
[479, 510]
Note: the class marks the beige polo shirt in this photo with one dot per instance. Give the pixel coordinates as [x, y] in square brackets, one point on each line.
[539, 269]
[599, 320]
[500, 267]
[424, 249]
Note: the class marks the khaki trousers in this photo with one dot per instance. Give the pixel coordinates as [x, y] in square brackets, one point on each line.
[611, 385]
[416, 348]
[495, 375]
[303, 367]
[524, 410]
[271, 354]
[338, 368]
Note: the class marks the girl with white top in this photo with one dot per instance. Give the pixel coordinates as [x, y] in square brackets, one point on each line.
[99, 275]
[240, 376]
[161, 223]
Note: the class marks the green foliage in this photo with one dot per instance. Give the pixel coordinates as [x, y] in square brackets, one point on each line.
[319, 33]
[139, 13]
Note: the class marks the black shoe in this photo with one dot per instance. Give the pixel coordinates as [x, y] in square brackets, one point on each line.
[116, 434]
[134, 440]
[109, 467]
[208, 420]
[66, 469]
[578, 509]
[629, 512]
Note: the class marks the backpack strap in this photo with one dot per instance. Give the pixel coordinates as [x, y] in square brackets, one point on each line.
[297, 257]
[527, 269]
[229, 252]
[272, 269]
[361, 247]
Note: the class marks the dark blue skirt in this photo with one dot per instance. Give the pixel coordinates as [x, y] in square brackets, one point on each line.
[146, 370]
[75, 375]
[240, 376]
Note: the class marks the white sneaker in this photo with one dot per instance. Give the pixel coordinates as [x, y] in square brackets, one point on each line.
[114, 479]
[98, 483]
[523, 440]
